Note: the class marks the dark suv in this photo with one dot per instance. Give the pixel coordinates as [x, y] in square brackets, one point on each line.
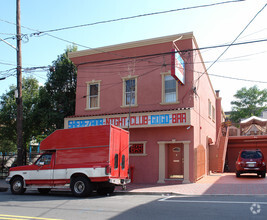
[251, 161]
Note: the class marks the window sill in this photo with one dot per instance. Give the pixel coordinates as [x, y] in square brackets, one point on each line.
[135, 155]
[128, 106]
[170, 103]
[92, 109]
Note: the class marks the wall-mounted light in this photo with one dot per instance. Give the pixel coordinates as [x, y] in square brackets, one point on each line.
[188, 127]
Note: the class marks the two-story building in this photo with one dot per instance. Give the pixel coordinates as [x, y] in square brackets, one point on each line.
[159, 89]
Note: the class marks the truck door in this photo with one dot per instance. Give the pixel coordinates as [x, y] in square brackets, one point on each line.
[115, 153]
[124, 154]
[43, 170]
[119, 153]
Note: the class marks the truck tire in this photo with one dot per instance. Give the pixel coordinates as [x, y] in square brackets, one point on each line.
[105, 190]
[44, 190]
[81, 186]
[17, 186]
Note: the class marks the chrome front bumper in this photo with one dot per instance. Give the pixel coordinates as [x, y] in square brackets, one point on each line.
[8, 180]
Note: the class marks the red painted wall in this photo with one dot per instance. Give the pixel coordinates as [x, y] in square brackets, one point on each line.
[149, 81]
[146, 167]
[194, 94]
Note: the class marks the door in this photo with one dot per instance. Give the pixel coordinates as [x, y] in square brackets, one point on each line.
[115, 156]
[43, 171]
[119, 153]
[175, 161]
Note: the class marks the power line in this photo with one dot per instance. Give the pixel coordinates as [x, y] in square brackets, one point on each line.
[240, 79]
[170, 52]
[10, 64]
[233, 41]
[135, 16]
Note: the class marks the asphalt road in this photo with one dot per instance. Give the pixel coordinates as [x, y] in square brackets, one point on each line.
[64, 206]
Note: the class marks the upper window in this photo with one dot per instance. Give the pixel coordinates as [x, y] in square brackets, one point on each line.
[130, 91]
[93, 95]
[209, 108]
[169, 89]
[213, 113]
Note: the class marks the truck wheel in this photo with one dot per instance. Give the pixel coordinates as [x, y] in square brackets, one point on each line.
[44, 190]
[17, 186]
[263, 174]
[105, 190]
[237, 174]
[81, 186]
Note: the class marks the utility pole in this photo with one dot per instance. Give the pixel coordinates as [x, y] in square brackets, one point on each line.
[19, 88]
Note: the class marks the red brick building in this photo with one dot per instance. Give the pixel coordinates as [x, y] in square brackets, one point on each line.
[172, 121]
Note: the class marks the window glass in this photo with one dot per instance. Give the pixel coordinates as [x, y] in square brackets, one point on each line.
[123, 162]
[130, 92]
[116, 161]
[209, 108]
[93, 96]
[170, 89]
[45, 158]
[251, 154]
[136, 149]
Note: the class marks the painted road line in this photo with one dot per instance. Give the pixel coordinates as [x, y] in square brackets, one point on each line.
[17, 217]
[208, 201]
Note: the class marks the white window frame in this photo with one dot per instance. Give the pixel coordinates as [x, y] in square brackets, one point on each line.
[93, 82]
[144, 149]
[213, 113]
[210, 109]
[124, 91]
[163, 95]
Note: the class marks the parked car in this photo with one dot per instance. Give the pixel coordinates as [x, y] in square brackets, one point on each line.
[251, 161]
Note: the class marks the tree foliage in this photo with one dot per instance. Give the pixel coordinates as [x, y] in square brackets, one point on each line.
[8, 115]
[57, 97]
[249, 102]
[44, 107]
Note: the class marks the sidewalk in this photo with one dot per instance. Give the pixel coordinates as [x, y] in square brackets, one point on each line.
[215, 184]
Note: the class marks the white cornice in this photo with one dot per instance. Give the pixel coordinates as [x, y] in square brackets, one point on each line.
[129, 45]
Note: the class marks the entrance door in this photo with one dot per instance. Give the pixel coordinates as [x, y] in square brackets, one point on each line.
[175, 161]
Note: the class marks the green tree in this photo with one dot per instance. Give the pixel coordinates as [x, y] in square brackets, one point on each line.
[249, 102]
[57, 97]
[44, 108]
[8, 115]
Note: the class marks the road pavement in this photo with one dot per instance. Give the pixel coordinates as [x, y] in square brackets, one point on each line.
[32, 205]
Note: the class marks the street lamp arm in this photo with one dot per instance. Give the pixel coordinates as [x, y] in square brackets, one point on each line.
[8, 43]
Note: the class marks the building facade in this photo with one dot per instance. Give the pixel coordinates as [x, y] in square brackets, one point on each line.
[160, 91]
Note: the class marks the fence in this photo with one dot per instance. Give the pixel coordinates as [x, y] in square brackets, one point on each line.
[7, 161]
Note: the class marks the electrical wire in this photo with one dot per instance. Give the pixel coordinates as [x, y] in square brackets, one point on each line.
[169, 52]
[240, 79]
[136, 16]
[233, 42]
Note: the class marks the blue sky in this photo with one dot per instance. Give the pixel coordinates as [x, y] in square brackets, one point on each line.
[211, 26]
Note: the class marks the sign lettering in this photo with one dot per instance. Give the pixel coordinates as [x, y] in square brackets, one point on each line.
[135, 120]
